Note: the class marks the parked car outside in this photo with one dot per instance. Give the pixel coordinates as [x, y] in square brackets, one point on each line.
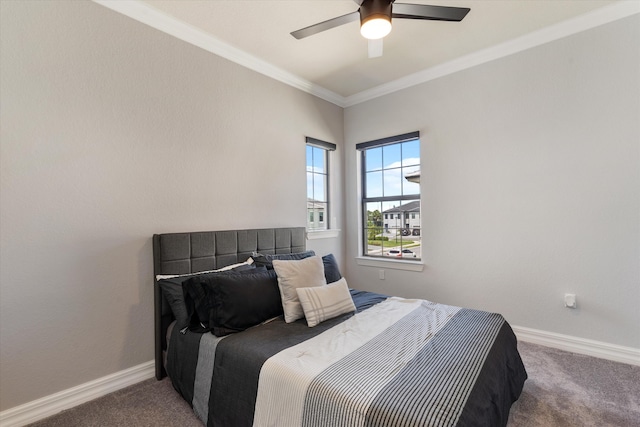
[405, 253]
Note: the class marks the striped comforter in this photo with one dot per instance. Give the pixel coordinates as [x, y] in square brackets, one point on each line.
[396, 362]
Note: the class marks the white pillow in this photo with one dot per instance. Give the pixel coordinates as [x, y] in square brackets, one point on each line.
[293, 274]
[228, 267]
[325, 302]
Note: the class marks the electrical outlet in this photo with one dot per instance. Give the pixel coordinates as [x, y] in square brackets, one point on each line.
[381, 274]
[570, 300]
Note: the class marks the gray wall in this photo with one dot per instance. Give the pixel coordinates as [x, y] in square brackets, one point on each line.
[530, 183]
[113, 131]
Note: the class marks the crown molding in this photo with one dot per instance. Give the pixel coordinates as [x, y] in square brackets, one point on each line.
[152, 17]
[146, 14]
[604, 15]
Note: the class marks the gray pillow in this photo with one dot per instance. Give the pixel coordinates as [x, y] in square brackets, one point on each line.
[331, 270]
[228, 303]
[172, 291]
[267, 259]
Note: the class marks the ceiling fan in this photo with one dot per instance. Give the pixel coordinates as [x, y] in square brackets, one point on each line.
[375, 19]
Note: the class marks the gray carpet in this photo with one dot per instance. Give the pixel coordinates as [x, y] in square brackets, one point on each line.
[568, 389]
[563, 389]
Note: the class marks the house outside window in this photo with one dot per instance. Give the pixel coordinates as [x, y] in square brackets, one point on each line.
[318, 203]
[390, 177]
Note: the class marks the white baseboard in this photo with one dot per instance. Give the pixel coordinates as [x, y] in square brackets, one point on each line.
[52, 404]
[603, 350]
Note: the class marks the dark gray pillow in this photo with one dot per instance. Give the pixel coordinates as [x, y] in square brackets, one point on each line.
[172, 291]
[331, 270]
[228, 303]
[267, 259]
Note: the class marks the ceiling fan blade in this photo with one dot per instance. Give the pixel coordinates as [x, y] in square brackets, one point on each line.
[375, 48]
[433, 13]
[326, 25]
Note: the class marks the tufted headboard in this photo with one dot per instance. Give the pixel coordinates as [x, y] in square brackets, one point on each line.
[183, 253]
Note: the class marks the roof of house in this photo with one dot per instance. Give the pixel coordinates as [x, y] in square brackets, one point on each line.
[407, 207]
[413, 176]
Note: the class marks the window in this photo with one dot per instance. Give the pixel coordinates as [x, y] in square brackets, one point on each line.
[390, 176]
[318, 183]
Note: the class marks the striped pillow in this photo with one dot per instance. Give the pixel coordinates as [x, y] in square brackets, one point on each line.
[321, 303]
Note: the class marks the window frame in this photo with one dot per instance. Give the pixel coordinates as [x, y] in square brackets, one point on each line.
[364, 200]
[327, 148]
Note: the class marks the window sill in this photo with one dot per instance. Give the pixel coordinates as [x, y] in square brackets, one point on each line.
[396, 264]
[323, 234]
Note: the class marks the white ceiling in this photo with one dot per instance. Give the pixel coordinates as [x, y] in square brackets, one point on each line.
[336, 60]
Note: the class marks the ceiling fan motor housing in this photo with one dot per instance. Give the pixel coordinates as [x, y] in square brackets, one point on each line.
[375, 9]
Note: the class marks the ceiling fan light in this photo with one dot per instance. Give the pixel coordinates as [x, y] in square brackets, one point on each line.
[375, 27]
[375, 18]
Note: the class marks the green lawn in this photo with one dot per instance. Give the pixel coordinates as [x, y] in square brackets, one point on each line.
[392, 243]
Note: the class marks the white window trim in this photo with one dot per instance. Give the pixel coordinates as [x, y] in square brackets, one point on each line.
[394, 264]
[380, 262]
[366, 261]
[326, 233]
[323, 234]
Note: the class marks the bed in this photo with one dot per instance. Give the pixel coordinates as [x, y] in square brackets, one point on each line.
[376, 360]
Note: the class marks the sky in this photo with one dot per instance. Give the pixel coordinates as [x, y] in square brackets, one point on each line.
[385, 168]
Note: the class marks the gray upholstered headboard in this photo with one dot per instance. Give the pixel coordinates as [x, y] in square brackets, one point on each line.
[183, 253]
